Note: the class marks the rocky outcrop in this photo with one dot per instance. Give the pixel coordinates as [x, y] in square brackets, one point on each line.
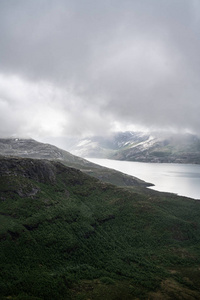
[38, 170]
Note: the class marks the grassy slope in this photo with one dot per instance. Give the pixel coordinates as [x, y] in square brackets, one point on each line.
[65, 235]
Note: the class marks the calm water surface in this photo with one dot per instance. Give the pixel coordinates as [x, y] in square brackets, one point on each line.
[182, 179]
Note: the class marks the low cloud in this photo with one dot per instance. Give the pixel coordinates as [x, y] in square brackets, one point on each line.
[73, 68]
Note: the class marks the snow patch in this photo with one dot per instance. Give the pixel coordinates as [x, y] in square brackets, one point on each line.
[83, 143]
[146, 144]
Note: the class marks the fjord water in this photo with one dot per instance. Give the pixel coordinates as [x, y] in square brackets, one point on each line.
[181, 179]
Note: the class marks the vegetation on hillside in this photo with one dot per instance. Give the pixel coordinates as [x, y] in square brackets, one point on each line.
[66, 235]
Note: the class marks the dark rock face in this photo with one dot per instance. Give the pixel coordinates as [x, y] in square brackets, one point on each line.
[20, 176]
[39, 170]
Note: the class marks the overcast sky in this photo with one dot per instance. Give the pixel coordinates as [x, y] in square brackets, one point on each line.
[83, 67]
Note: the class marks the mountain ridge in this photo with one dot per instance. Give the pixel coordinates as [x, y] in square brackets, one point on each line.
[29, 148]
[143, 147]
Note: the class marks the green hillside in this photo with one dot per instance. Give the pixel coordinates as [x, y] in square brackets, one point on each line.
[66, 235]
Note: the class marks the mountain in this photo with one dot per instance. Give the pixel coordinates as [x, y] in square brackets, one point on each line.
[65, 235]
[30, 148]
[144, 147]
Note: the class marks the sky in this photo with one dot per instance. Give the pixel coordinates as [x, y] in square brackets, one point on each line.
[84, 67]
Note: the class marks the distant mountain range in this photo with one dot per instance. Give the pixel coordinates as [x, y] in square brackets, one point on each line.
[139, 146]
[29, 148]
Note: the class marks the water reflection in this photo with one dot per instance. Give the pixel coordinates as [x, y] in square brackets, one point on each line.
[182, 179]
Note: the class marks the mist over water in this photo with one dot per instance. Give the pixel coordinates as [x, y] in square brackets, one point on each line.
[181, 179]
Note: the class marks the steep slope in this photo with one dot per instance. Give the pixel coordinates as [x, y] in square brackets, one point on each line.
[66, 235]
[138, 146]
[33, 149]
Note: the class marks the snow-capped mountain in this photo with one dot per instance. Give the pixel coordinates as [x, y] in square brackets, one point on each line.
[106, 146]
[140, 146]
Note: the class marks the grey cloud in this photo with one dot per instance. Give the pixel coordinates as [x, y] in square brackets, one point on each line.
[130, 62]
